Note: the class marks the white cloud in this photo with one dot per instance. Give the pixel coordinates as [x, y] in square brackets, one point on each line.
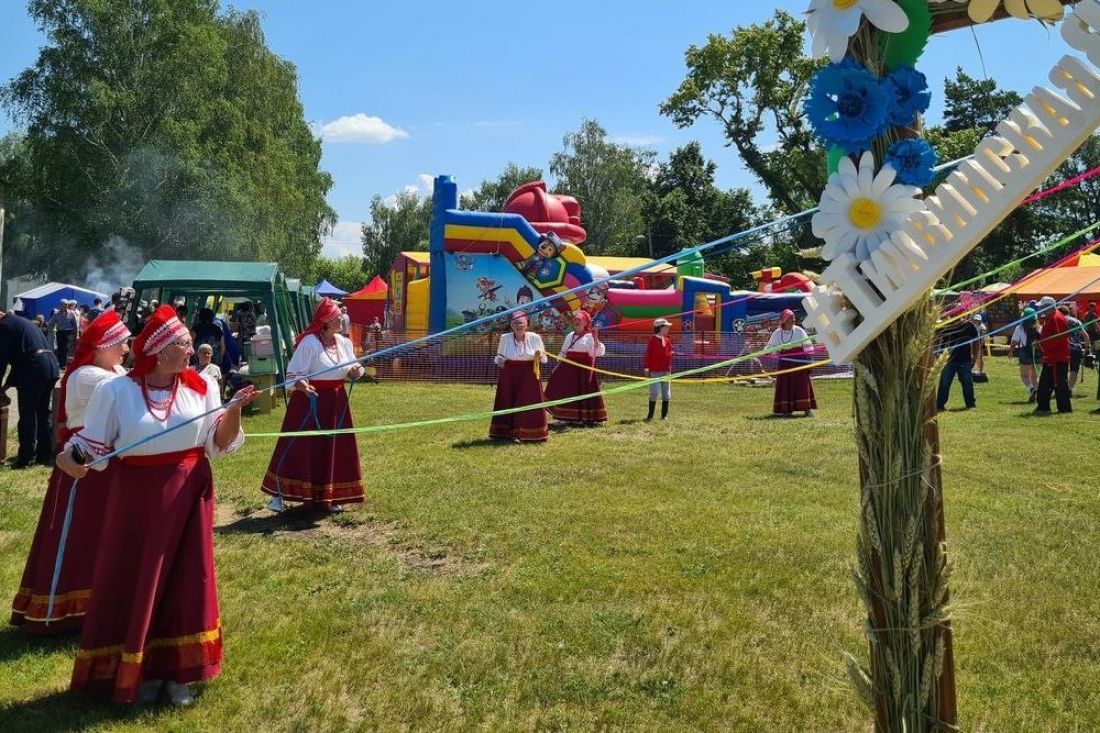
[360, 128]
[345, 239]
[637, 141]
[423, 188]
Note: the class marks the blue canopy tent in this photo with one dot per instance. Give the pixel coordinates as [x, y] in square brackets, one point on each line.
[325, 289]
[41, 301]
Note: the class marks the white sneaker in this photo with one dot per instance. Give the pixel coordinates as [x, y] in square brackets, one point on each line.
[179, 694]
[149, 690]
[336, 508]
[276, 504]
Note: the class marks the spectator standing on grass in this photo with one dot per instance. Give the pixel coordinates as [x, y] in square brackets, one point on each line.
[1079, 344]
[1054, 341]
[961, 340]
[657, 363]
[34, 371]
[64, 321]
[1025, 344]
[206, 366]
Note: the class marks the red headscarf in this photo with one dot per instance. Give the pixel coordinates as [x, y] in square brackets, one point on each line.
[584, 317]
[327, 310]
[105, 331]
[787, 313]
[162, 328]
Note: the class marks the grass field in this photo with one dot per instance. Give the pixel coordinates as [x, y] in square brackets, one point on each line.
[688, 575]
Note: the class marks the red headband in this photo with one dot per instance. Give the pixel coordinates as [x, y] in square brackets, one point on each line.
[105, 331]
[326, 311]
[161, 330]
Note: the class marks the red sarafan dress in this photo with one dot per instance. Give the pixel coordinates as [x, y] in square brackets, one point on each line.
[154, 608]
[322, 470]
[519, 384]
[31, 607]
[793, 390]
[571, 380]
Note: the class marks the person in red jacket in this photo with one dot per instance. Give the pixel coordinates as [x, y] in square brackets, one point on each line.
[1054, 341]
[658, 363]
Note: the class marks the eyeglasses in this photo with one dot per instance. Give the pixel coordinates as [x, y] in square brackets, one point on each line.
[184, 344]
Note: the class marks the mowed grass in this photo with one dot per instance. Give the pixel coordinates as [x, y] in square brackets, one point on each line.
[688, 575]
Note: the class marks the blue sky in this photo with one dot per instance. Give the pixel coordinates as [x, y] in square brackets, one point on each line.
[411, 90]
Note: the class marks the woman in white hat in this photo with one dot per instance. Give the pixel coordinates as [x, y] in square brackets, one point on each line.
[658, 363]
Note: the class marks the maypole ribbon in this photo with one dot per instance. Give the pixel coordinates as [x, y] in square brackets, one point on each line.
[512, 410]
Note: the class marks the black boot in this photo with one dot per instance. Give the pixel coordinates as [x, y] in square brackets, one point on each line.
[652, 407]
[664, 409]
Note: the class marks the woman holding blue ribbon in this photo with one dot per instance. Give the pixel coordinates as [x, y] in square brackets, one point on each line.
[98, 359]
[153, 620]
[320, 470]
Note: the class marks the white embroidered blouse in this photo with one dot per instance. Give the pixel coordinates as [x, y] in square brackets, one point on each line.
[585, 343]
[311, 360]
[510, 349]
[118, 416]
[79, 389]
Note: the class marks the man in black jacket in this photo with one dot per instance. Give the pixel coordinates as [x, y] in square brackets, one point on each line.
[34, 372]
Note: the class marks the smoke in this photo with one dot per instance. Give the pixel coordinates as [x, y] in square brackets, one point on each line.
[118, 264]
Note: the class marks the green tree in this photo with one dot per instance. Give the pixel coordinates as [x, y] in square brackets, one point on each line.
[395, 227]
[170, 125]
[346, 272]
[491, 195]
[684, 207]
[752, 82]
[975, 104]
[610, 182]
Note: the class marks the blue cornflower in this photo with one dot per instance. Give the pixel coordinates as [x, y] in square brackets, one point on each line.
[909, 95]
[847, 106]
[913, 160]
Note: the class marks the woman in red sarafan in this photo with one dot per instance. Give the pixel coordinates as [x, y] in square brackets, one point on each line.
[322, 470]
[98, 359]
[581, 346]
[793, 389]
[153, 619]
[519, 355]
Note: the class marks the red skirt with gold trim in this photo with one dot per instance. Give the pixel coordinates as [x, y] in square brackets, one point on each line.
[519, 385]
[793, 391]
[569, 380]
[324, 470]
[154, 608]
[74, 586]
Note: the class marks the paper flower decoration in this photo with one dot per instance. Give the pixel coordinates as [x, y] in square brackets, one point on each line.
[909, 95]
[859, 209]
[847, 106]
[913, 160]
[833, 22]
[982, 10]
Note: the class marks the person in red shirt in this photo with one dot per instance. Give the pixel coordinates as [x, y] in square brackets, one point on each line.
[1054, 341]
[658, 363]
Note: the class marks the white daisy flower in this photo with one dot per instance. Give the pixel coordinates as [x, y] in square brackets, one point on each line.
[833, 22]
[859, 209]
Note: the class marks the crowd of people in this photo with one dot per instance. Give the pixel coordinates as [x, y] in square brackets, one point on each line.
[138, 573]
[1050, 343]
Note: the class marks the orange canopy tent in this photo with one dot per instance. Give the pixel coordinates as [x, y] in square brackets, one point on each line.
[1058, 282]
[368, 303]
